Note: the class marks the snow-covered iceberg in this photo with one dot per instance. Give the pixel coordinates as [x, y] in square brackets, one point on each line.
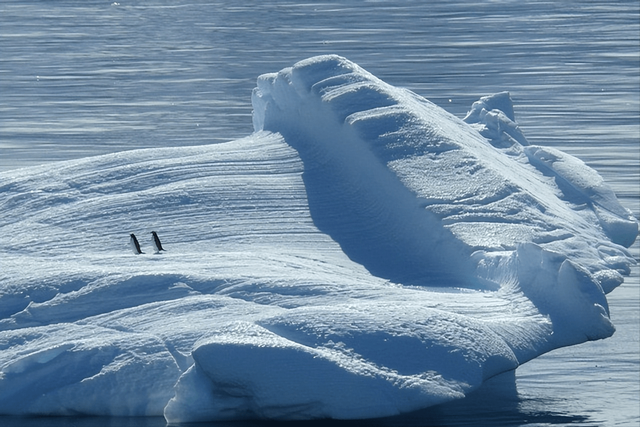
[362, 254]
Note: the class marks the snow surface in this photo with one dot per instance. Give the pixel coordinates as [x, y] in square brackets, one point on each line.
[362, 254]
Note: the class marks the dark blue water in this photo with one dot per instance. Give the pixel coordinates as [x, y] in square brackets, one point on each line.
[81, 78]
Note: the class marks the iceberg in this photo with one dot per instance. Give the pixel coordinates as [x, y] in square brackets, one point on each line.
[362, 254]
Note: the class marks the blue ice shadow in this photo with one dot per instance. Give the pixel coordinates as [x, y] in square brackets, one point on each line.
[496, 403]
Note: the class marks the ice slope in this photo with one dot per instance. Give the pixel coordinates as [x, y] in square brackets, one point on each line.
[447, 205]
[362, 254]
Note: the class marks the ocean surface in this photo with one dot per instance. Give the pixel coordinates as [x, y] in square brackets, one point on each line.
[86, 77]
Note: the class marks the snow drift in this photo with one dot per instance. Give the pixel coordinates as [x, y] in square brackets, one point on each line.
[362, 254]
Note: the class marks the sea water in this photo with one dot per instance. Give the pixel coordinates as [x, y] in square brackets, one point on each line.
[80, 78]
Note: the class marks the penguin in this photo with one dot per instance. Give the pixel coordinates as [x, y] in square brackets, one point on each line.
[135, 246]
[157, 246]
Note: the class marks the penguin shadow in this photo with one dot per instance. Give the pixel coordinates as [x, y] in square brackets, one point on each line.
[155, 242]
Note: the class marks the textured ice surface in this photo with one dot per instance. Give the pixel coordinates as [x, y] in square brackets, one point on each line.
[362, 254]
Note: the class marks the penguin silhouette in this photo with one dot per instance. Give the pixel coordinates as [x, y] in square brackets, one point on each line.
[135, 246]
[157, 246]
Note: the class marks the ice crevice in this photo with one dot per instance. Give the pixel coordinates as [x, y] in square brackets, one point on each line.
[362, 254]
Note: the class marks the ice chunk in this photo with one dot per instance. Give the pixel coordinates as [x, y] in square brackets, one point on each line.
[362, 254]
[581, 184]
[494, 118]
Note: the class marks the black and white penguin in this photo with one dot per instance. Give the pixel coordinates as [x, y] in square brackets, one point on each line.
[135, 246]
[157, 246]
